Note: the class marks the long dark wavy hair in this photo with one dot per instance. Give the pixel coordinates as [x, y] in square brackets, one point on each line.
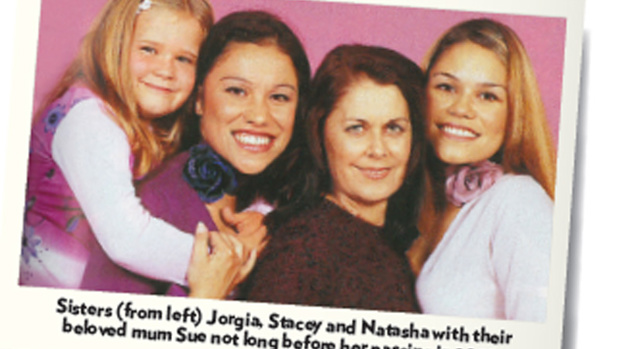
[261, 28]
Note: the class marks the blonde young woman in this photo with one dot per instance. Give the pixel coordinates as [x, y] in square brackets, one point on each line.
[487, 218]
[114, 116]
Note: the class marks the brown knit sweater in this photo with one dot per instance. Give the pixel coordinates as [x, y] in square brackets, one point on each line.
[327, 257]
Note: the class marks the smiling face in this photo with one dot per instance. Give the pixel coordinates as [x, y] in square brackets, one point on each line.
[248, 102]
[467, 104]
[162, 59]
[367, 142]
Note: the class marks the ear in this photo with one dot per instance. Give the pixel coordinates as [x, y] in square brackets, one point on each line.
[198, 106]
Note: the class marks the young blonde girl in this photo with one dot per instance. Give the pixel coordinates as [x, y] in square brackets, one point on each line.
[116, 114]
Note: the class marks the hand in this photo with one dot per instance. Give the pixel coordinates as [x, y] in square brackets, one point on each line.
[247, 267]
[215, 264]
[249, 227]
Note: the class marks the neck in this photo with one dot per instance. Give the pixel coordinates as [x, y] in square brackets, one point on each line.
[373, 213]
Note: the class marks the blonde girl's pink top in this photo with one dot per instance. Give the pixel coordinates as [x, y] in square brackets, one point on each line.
[82, 212]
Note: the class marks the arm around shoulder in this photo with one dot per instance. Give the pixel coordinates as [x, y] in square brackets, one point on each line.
[94, 156]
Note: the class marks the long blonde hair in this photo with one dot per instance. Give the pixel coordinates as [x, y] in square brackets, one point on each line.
[528, 147]
[102, 65]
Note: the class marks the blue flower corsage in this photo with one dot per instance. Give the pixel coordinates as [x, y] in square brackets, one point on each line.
[209, 175]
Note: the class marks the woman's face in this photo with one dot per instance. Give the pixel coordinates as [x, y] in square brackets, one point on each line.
[247, 103]
[368, 141]
[467, 104]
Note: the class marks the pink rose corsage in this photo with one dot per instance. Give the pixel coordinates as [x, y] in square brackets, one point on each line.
[466, 182]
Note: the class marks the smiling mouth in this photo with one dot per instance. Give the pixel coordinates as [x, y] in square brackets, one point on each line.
[374, 173]
[253, 142]
[157, 87]
[458, 132]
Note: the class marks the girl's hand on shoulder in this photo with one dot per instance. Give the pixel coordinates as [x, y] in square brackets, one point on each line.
[215, 263]
[249, 227]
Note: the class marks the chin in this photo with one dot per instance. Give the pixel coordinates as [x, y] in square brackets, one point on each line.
[251, 169]
[155, 112]
[375, 197]
[453, 158]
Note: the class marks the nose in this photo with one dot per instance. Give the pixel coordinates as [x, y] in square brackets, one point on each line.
[257, 112]
[462, 106]
[165, 67]
[376, 146]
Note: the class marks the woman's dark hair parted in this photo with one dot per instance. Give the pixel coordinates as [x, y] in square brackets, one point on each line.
[260, 28]
[343, 66]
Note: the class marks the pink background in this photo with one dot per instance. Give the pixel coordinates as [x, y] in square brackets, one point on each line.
[321, 26]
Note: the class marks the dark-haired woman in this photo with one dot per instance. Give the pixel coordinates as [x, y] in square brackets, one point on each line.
[337, 244]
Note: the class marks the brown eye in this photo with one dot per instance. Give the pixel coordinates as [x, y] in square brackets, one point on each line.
[445, 87]
[281, 97]
[488, 96]
[237, 91]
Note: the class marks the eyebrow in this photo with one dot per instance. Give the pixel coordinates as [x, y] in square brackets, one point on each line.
[194, 55]
[486, 84]
[234, 78]
[396, 119]
[151, 42]
[240, 79]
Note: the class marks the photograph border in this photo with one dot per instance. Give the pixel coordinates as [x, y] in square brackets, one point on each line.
[42, 304]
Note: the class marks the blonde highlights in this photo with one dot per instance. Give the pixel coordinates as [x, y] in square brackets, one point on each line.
[102, 65]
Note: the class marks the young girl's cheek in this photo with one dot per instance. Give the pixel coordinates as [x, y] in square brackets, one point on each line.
[187, 80]
[138, 65]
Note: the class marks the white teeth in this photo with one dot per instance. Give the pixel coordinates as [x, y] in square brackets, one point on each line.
[248, 139]
[458, 132]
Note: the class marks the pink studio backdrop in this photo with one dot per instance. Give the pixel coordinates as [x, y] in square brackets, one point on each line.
[321, 26]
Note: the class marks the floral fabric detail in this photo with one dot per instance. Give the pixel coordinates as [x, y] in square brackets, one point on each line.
[59, 109]
[208, 174]
[466, 182]
[53, 118]
[30, 244]
[56, 235]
